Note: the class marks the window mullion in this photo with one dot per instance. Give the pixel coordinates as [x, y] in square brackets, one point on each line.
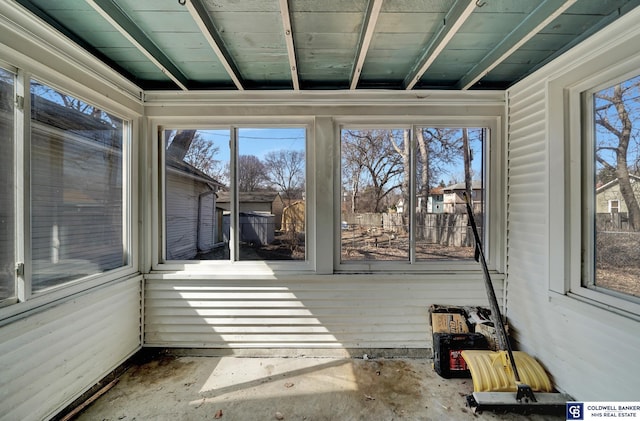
[234, 227]
[23, 184]
[413, 174]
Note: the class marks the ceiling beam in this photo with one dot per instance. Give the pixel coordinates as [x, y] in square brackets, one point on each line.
[537, 20]
[454, 19]
[369, 25]
[208, 29]
[288, 37]
[123, 24]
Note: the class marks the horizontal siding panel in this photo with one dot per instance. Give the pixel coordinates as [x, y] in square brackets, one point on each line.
[532, 122]
[172, 316]
[319, 312]
[530, 106]
[525, 93]
[532, 149]
[526, 132]
[532, 167]
[526, 140]
[51, 357]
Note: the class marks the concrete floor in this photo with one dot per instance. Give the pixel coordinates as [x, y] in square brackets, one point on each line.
[170, 387]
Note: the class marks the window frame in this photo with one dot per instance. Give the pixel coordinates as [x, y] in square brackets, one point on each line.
[228, 267]
[494, 183]
[17, 116]
[25, 299]
[576, 97]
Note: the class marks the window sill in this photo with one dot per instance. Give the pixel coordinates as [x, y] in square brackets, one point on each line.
[586, 299]
[55, 295]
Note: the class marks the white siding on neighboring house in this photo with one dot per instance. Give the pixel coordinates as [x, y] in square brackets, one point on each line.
[352, 311]
[184, 215]
[207, 221]
[50, 358]
[588, 350]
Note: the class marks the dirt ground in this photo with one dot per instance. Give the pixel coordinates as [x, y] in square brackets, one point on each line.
[299, 388]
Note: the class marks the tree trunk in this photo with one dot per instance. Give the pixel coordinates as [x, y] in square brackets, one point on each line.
[622, 168]
[467, 167]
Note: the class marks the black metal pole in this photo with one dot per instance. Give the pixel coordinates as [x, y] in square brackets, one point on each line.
[524, 391]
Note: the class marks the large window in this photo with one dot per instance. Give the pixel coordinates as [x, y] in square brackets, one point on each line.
[77, 197]
[235, 193]
[7, 187]
[612, 190]
[403, 192]
[63, 198]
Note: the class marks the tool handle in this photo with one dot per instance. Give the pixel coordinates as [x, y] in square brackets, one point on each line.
[493, 301]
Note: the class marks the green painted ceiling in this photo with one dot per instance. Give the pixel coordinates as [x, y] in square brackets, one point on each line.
[332, 44]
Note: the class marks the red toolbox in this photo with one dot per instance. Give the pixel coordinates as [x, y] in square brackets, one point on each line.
[447, 360]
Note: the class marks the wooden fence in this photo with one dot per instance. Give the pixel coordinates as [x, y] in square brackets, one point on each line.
[447, 229]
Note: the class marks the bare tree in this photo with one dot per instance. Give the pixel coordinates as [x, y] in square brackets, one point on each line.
[252, 174]
[616, 114]
[201, 155]
[285, 170]
[402, 146]
[373, 153]
[438, 149]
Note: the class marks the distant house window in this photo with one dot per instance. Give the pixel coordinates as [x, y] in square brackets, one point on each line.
[78, 223]
[611, 169]
[403, 192]
[235, 194]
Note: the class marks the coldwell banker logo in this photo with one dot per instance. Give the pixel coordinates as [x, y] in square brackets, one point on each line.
[575, 411]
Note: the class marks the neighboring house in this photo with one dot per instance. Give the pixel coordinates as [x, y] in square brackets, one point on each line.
[453, 199]
[75, 181]
[255, 201]
[435, 201]
[194, 224]
[293, 217]
[609, 198]
[257, 218]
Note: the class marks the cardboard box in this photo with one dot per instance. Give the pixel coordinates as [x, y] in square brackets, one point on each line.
[449, 323]
[489, 332]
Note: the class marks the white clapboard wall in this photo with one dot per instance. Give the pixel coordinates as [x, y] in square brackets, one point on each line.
[333, 311]
[51, 357]
[587, 350]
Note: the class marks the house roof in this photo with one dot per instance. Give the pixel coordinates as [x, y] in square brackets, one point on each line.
[475, 185]
[190, 170]
[328, 44]
[614, 182]
[250, 197]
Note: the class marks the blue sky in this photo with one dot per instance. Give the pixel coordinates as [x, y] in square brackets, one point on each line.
[258, 141]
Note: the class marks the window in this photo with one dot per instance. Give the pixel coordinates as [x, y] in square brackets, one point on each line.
[235, 194]
[64, 207]
[611, 237]
[7, 193]
[77, 190]
[403, 192]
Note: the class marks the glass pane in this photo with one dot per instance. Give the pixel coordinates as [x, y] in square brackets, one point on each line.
[7, 203]
[76, 188]
[442, 226]
[197, 201]
[617, 187]
[271, 185]
[375, 194]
